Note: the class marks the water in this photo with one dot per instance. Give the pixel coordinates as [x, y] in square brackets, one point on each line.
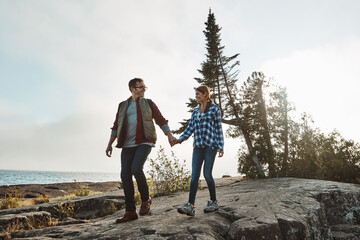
[10, 177]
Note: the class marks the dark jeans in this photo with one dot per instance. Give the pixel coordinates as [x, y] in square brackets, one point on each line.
[199, 156]
[132, 163]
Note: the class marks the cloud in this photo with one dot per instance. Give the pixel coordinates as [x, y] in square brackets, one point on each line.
[324, 82]
[92, 49]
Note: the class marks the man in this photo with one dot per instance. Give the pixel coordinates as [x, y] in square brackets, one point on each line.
[135, 132]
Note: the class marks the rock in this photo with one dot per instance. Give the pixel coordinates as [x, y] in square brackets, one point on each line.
[57, 189]
[25, 221]
[51, 187]
[94, 206]
[28, 195]
[70, 220]
[84, 207]
[283, 208]
[253, 229]
[346, 231]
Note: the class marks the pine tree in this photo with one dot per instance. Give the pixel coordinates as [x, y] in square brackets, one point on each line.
[255, 115]
[278, 110]
[218, 72]
[210, 69]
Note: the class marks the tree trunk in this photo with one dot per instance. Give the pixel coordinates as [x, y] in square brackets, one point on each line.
[286, 140]
[253, 155]
[219, 94]
[265, 125]
[240, 124]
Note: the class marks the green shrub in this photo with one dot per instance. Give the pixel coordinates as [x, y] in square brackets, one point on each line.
[137, 195]
[82, 191]
[168, 175]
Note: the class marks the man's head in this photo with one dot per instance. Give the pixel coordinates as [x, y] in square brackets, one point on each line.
[137, 88]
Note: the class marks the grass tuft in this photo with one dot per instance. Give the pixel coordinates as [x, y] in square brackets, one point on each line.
[41, 199]
[11, 200]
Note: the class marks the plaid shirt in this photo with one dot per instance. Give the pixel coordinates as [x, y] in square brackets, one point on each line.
[207, 129]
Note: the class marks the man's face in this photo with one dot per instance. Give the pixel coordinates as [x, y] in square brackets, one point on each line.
[139, 90]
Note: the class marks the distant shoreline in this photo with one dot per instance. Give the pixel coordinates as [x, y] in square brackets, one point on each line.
[11, 177]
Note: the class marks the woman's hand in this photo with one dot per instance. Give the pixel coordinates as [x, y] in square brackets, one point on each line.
[221, 153]
[177, 141]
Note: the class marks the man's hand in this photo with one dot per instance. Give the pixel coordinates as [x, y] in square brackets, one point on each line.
[177, 141]
[221, 153]
[108, 151]
[171, 138]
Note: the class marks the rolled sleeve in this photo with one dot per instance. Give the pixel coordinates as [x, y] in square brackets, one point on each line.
[165, 128]
[113, 133]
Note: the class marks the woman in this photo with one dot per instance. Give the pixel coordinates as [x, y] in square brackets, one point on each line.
[205, 123]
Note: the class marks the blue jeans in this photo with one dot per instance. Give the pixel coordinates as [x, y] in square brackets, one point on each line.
[132, 163]
[199, 156]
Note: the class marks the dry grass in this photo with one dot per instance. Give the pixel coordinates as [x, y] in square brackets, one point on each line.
[41, 199]
[65, 210]
[81, 192]
[70, 196]
[11, 200]
[30, 223]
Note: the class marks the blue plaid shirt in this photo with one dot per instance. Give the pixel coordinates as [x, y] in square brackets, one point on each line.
[207, 129]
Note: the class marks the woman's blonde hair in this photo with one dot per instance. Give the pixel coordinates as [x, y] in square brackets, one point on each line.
[205, 89]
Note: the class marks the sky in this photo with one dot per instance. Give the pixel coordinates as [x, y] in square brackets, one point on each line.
[65, 66]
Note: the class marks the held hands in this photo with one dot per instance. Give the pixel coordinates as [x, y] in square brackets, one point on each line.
[176, 142]
[172, 139]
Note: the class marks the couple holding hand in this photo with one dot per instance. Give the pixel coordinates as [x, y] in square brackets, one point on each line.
[135, 132]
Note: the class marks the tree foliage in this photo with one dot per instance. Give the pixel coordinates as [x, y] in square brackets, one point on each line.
[300, 150]
[218, 72]
[259, 112]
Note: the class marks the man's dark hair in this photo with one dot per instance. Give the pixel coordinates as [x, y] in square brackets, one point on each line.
[132, 82]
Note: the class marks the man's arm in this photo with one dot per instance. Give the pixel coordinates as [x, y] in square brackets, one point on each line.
[163, 124]
[108, 150]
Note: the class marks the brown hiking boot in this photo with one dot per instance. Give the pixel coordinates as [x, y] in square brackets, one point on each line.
[145, 207]
[128, 216]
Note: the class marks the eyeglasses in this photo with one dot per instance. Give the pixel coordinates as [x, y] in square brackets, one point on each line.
[142, 87]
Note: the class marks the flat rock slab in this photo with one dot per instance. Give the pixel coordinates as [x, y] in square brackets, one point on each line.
[57, 189]
[84, 207]
[283, 208]
[24, 221]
